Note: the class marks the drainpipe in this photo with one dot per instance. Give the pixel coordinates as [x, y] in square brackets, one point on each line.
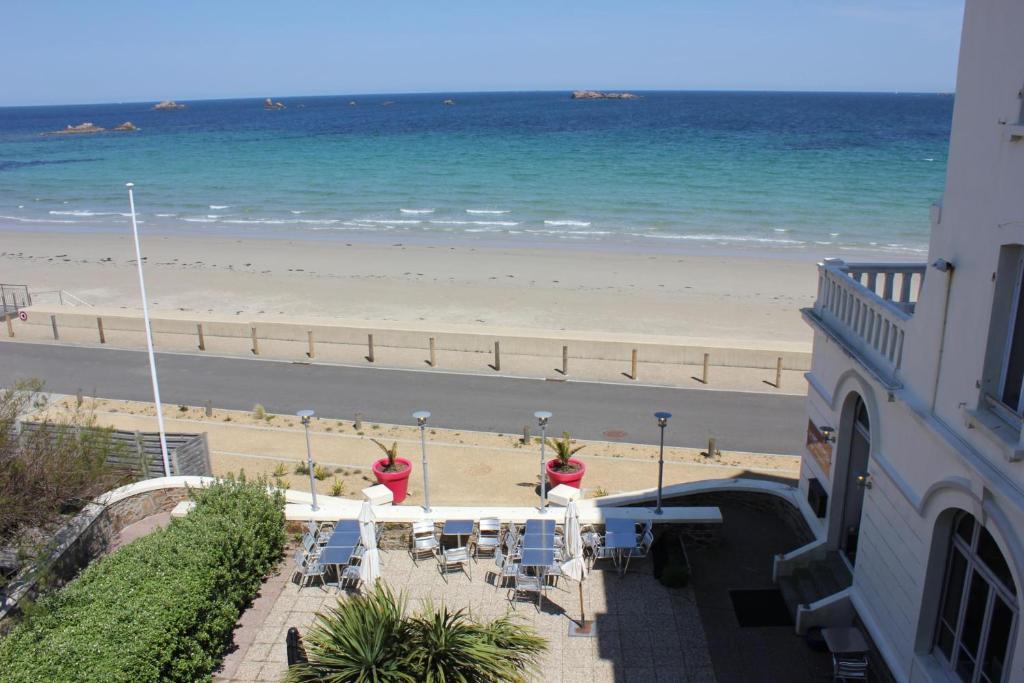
[943, 266]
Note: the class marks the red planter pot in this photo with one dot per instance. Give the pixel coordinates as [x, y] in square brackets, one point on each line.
[568, 478]
[397, 482]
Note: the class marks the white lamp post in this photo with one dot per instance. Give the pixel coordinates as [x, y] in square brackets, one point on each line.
[542, 419]
[421, 420]
[305, 416]
[149, 337]
[662, 423]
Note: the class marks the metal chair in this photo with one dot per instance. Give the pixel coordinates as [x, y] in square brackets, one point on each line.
[524, 584]
[507, 569]
[488, 533]
[310, 545]
[640, 552]
[424, 540]
[350, 575]
[456, 557]
[311, 569]
[849, 668]
[600, 552]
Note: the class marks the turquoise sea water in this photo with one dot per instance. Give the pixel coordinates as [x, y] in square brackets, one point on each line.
[782, 171]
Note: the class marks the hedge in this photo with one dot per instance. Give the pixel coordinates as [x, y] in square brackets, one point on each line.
[163, 607]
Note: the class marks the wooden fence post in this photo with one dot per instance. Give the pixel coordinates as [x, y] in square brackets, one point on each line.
[255, 343]
[778, 373]
[369, 343]
[497, 357]
[312, 350]
[53, 324]
[10, 326]
[526, 434]
[433, 353]
[79, 399]
[704, 377]
[99, 326]
[565, 360]
[633, 364]
[712, 447]
[209, 409]
[202, 339]
[359, 422]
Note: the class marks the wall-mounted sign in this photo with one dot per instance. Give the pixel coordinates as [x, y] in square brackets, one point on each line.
[819, 447]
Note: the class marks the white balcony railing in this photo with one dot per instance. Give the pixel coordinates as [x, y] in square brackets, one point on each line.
[866, 307]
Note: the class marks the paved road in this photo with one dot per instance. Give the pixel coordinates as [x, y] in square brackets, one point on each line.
[740, 421]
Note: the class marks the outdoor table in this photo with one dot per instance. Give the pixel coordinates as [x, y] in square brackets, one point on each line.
[845, 640]
[343, 538]
[540, 526]
[538, 541]
[347, 525]
[620, 536]
[337, 557]
[458, 528]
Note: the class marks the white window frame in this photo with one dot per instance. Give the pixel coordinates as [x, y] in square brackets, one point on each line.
[975, 565]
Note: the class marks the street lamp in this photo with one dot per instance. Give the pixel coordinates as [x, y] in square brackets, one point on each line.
[662, 423]
[421, 419]
[304, 415]
[149, 337]
[542, 419]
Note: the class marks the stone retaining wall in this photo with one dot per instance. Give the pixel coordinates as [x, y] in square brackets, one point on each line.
[86, 537]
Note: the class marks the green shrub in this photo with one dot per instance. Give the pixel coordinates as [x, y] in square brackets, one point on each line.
[163, 607]
[301, 468]
[320, 472]
[371, 638]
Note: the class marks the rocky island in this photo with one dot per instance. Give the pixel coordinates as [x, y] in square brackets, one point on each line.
[168, 104]
[599, 95]
[89, 127]
[271, 104]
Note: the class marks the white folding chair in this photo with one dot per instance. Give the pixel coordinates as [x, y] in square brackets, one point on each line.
[524, 584]
[487, 536]
[456, 557]
[507, 569]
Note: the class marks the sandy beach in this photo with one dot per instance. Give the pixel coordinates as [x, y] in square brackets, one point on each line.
[692, 298]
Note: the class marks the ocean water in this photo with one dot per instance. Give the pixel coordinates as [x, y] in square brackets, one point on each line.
[780, 171]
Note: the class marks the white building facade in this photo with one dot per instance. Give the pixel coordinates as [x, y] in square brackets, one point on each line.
[915, 455]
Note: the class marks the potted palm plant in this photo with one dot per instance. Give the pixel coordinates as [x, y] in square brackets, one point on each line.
[393, 471]
[563, 468]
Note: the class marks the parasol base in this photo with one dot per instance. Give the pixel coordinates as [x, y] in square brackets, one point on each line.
[585, 629]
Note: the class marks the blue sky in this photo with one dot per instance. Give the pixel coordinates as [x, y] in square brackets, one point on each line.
[59, 51]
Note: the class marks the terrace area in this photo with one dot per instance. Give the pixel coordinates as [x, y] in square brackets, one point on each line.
[865, 308]
[644, 630]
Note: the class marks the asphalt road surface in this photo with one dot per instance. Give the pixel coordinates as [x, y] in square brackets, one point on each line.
[740, 421]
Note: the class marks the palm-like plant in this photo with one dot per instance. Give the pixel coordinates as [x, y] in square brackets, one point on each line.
[391, 453]
[369, 639]
[564, 450]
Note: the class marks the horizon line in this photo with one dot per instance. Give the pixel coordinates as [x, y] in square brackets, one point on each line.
[442, 93]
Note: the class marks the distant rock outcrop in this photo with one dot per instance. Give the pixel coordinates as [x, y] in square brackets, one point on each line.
[168, 104]
[448, 102]
[271, 104]
[127, 125]
[81, 128]
[598, 95]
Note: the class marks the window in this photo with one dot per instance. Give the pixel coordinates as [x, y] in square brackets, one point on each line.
[979, 606]
[1003, 381]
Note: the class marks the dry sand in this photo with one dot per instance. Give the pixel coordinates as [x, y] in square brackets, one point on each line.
[466, 468]
[696, 299]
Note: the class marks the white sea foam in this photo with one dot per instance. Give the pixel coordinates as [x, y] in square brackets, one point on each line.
[214, 216]
[216, 207]
[494, 212]
[575, 224]
[780, 229]
[721, 238]
[377, 221]
[194, 219]
[20, 219]
[416, 211]
[166, 215]
[85, 213]
[507, 224]
[297, 213]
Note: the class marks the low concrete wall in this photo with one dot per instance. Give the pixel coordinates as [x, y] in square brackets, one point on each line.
[277, 339]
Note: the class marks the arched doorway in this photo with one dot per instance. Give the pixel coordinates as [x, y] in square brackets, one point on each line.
[978, 609]
[858, 453]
